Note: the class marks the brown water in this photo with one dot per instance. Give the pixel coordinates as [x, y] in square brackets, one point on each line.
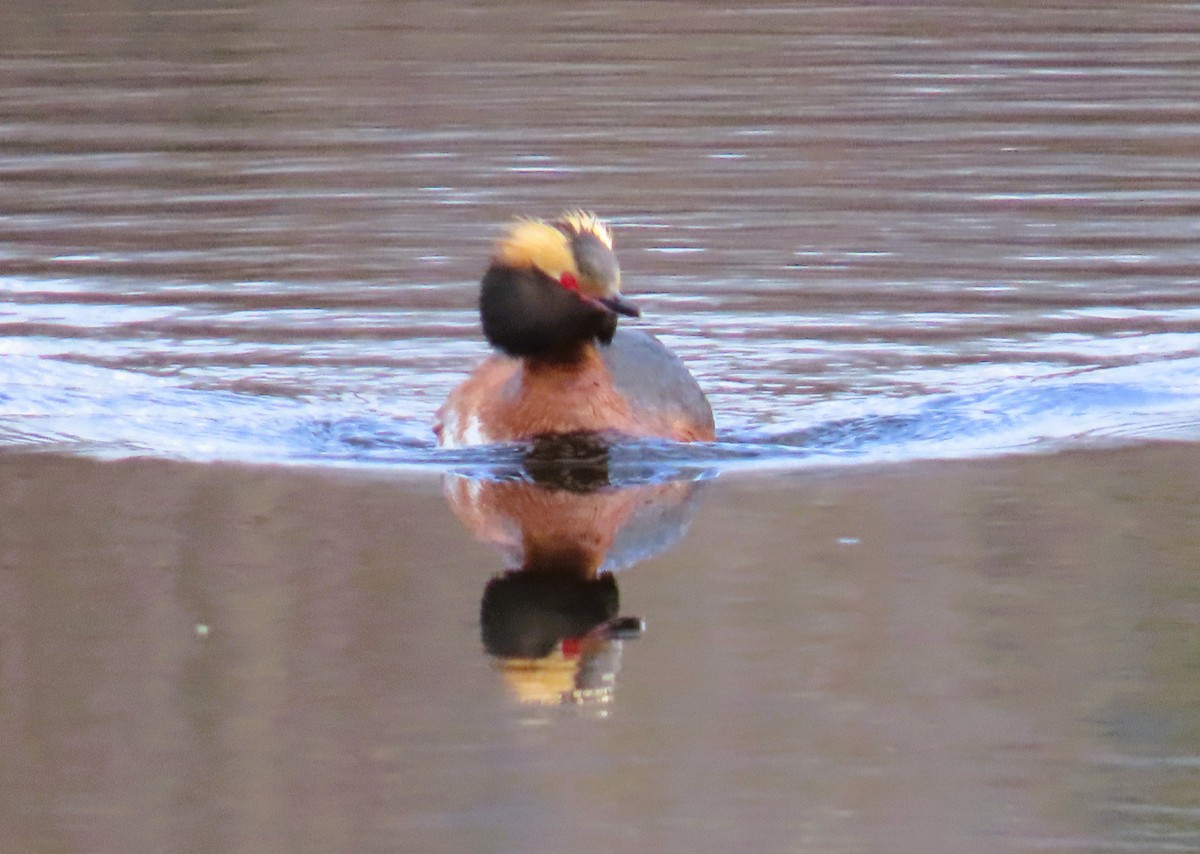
[955, 656]
[896, 243]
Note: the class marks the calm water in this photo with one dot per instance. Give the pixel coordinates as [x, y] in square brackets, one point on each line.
[926, 236]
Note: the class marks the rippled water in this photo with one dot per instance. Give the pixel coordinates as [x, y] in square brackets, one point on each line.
[880, 232]
[252, 231]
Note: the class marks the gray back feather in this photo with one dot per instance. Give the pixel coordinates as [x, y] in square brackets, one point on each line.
[653, 378]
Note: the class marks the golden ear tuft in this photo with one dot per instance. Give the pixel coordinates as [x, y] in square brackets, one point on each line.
[534, 243]
[584, 222]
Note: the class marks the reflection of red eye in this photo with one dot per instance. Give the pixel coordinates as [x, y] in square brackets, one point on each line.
[569, 282]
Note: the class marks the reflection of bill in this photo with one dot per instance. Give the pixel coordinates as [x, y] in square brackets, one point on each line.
[552, 621]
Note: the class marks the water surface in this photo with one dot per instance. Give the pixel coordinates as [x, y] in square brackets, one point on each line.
[965, 655]
[232, 226]
[932, 588]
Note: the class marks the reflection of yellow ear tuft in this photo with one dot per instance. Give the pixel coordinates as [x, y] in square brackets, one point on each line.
[583, 222]
[533, 243]
[545, 681]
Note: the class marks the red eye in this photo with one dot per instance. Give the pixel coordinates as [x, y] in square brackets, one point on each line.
[569, 282]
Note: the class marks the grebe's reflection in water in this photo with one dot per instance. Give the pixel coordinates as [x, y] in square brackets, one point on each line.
[551, 620]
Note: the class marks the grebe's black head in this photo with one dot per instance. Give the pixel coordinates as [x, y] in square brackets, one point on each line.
[552, 288]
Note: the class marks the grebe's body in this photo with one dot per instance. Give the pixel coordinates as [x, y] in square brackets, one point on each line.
[633, 385]
[549, 301]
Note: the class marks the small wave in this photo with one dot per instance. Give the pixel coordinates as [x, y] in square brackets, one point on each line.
[58, 406]
[1130, 402]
